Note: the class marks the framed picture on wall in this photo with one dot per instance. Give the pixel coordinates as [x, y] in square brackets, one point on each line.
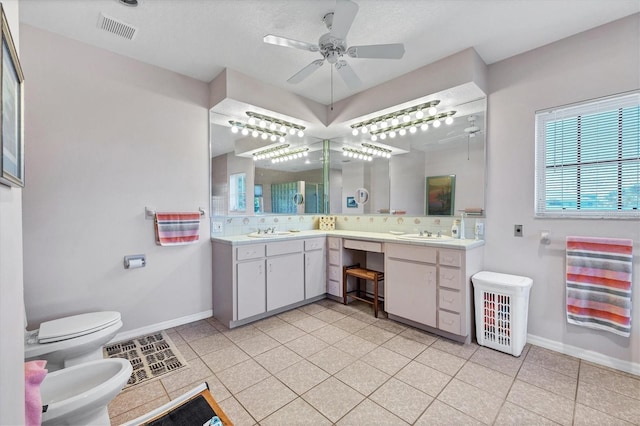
[441, 195]
[351, 202]
[11, 94]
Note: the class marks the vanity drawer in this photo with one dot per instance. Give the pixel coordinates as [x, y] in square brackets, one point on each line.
[450, 278]
[284, 247]
[410, 252]
[252, 251]
[334, 243]
[449, 322]
[334, 257]
[335, 273]
[450, 300]
[451, 258]
[315, 244]
[363, 245]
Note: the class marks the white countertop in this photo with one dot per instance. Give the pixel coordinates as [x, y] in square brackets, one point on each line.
[466, 244]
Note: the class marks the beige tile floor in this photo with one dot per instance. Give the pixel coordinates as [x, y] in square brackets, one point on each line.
[327, 363]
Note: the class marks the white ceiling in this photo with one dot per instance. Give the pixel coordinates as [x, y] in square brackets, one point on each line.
[199, 38]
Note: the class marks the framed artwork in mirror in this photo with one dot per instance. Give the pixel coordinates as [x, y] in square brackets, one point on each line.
[441, 195]
[351, 202]
[11, 136]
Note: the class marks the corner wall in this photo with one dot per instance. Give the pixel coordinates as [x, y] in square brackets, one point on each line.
[596, 63]
[107, 136]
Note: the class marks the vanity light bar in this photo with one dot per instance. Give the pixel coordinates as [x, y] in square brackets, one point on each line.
[273, 124]
[376, 150]
[271, 152]
[291, 155]
[255, 131]
[360, 155]
[395, 118]
[412, 126]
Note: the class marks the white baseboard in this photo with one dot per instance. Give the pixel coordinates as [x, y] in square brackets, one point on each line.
[587, 355]
[161, 326]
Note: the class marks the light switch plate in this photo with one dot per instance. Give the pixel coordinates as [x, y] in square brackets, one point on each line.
[517, 230]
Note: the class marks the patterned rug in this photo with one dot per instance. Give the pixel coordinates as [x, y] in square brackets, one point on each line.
[151, 356]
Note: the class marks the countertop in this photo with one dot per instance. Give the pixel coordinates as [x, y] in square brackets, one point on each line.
[386, 237]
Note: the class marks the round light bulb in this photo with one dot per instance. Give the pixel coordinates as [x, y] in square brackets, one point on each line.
[305, 153]
[255, 158]
[252, 120]
[273, 138]
[283, 129]
[234, 129]
[292, 131]
[388, 155]
[413, 129]
[406, 118]
[262, 123]
[436, 124]
[255, 133]
[402, 132]
[373, 127]
[345, 153]
[395, 121]
[354, 132]
[350, 154]
[264, 136]
[424, 126]
[392, 134]
[374, 138]
[245, 132]
[364, 130]
[369, 158]
[383, 136]
[448, 120]
[300, 133]
[281, 140]
[432, 110]
[419, 114]
[272, 126]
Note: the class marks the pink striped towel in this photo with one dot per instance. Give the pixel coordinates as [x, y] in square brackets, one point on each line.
[175, 229]
[599, 283]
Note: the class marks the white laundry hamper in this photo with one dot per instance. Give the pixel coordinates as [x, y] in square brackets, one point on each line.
[502, 307]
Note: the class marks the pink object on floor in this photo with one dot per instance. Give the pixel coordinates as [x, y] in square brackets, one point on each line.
[34, 374]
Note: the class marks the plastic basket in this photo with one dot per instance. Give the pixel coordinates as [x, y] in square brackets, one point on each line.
[501, 313]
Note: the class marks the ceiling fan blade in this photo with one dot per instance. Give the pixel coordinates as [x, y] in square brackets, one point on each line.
[306, 71]
[343, 17]
[348, 75]
[380, 51]
[288, 42]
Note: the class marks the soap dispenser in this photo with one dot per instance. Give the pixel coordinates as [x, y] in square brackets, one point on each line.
[461, 230]
[454, 229]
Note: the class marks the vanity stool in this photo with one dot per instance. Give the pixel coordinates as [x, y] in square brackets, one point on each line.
[362, 275]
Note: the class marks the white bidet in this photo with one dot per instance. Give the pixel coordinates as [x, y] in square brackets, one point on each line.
[79, 395]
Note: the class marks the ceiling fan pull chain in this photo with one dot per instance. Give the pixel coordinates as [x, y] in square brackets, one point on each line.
[331, 88]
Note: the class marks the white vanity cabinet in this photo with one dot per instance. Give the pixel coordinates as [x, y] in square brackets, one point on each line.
[431, 287]
[285, 273]
[411, 283]
[314, 268]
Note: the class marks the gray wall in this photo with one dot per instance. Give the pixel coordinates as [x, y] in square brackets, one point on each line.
[105, 137]
[11, 277]
[596, 63]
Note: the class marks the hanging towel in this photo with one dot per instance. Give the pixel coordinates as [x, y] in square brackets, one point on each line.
[34, 374]
[175, 229]
[599, 283]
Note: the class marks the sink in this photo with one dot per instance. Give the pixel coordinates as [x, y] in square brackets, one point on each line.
[270, 234]
[418, 237]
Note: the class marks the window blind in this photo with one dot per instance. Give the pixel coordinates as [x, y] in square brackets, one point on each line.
[588, 159]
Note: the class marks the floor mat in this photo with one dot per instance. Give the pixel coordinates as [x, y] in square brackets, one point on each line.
[150, 356]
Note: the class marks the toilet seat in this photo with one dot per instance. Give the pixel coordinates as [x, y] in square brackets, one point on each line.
[76, 326]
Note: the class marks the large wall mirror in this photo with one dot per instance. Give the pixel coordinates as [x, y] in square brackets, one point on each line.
[395, 185]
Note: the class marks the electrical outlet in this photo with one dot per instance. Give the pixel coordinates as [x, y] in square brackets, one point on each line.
[479, 229]
[517, 230]
[216, 226]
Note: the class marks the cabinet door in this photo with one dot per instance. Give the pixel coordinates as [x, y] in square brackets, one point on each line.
[410, 291]
[314, 282]
[251, 288]
[285, 280]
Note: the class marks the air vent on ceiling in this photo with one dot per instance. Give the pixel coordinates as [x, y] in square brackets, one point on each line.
[117, 27]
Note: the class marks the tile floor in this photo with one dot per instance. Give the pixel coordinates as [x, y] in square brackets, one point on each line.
[327, 363]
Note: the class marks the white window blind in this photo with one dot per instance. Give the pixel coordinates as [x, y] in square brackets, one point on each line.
[588, 159]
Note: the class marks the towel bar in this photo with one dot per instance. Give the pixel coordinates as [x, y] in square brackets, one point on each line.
[151, 214]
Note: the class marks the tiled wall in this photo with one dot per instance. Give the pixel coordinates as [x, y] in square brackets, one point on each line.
[239, 225]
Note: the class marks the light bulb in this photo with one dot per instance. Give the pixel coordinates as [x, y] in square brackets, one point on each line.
[360, 156]
[274, 161]
[402, 132]
[354, 132]
[432, 110]
[345, 153]
[373, 127]
[252, 120]
[369, 158]
[388, 155]
[350, 154]
[264, 136]
[383, 136]
[262, 123]
[424, 126]
[285, 149]
[395, 121]
[436, 124]
[305, 153]
[419, 114]
[364, 130]
[281, 140]
[374, 138]
[272, 126]
[413, 129]
[292, 131]
[255, 133]
[234, 129]
[384, 125]
[245, 132]
[300, 133]
[406, 118]
[448, 120]
[273, 138]
[255, 158]
[392, 134]
[283, 129]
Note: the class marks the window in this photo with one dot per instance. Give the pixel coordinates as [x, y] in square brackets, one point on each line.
[588, 159]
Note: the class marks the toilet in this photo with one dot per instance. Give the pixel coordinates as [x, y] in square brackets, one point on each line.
[79, 395]
[72, 340]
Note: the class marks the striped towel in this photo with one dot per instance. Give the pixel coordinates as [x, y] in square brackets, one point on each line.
[599, 283]
[175, 229]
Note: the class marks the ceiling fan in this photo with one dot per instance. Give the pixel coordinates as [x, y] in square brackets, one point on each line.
[469, 132]
[333, 46]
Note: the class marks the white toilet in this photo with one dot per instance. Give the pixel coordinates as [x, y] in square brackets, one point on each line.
[79, 395]
[69, 341]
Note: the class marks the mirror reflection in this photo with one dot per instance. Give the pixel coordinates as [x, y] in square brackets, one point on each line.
[395, 185]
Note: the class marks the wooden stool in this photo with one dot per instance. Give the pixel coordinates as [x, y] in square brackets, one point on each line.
[359, 293]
